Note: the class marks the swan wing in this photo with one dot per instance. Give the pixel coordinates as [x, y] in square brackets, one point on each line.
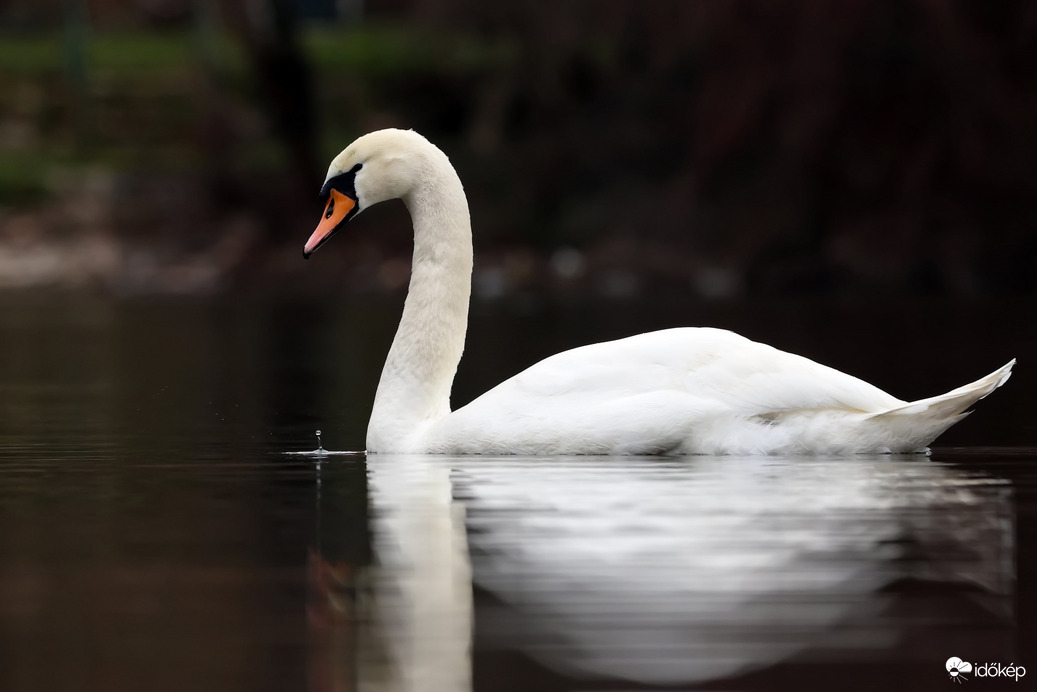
[679, 390]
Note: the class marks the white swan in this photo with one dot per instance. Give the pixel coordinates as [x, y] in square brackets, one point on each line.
[678, 391]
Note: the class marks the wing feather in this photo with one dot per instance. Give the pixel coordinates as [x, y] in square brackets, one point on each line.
[653, 388]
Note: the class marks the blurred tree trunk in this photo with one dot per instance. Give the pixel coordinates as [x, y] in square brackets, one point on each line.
[76, 27]
[270, 31]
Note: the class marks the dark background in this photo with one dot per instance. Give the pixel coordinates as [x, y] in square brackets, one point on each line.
[853, 181]
[725, 150]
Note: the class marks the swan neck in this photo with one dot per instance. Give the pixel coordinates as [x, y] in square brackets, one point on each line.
[414, 390]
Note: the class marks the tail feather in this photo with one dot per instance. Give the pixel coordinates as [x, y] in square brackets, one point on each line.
[914, 425]
[955, 401]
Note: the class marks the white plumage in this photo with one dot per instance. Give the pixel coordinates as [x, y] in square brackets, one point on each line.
[677, 391]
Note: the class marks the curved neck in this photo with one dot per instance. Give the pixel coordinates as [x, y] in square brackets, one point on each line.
[414, 389]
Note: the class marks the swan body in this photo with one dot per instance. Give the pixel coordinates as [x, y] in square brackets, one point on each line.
[676, 391]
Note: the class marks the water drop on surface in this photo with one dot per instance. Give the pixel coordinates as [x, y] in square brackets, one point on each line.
[321, 452]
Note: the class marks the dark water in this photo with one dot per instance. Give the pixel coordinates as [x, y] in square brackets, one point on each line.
[156, 536]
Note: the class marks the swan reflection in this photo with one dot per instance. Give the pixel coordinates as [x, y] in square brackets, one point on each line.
[678, 571]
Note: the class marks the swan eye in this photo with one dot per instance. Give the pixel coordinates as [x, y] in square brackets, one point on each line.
[331, 208]
[343, 182]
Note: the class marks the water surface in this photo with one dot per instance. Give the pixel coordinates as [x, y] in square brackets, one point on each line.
[157, 536]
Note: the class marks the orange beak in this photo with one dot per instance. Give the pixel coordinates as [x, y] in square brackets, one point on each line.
[335, 213]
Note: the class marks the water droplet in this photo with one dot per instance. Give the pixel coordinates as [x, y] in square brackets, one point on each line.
[320, 446]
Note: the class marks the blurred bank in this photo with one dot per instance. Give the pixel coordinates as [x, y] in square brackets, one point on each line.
[716, 150]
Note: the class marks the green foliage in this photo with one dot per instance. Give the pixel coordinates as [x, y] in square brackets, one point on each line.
[147, 95]
[29, 56]
[374, 50]
[22, 179]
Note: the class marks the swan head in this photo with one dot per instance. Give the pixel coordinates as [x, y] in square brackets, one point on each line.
[379, 166]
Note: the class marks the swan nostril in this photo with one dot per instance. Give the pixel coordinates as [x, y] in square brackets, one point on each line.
[330, 209]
